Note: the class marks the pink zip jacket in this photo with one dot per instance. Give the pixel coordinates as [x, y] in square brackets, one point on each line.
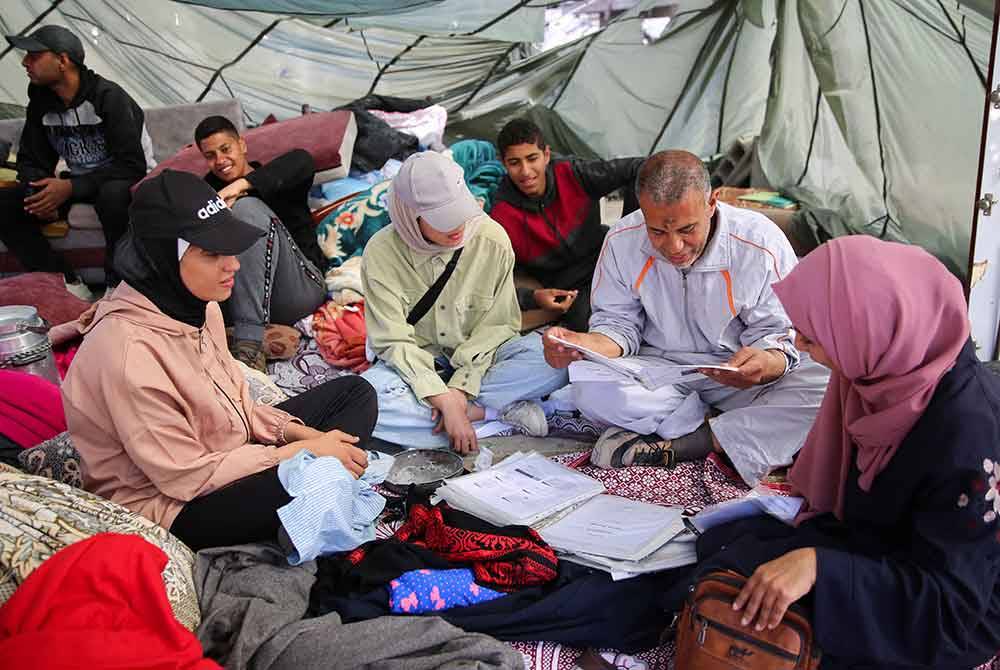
[160, 411]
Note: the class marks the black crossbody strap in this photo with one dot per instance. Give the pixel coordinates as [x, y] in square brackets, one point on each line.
[428, 299]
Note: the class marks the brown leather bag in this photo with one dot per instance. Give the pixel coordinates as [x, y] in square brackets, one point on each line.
[711, 637]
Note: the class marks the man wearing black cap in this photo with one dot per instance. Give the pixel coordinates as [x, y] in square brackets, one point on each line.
[93, 125]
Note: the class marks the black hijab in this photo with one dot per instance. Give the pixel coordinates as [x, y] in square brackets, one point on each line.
[168, 207]
[151, 267]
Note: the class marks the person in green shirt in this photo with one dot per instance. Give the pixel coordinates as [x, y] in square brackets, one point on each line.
[462, 361]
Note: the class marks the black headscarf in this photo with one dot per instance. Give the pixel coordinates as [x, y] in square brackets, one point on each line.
[150, 266]
[176, 206]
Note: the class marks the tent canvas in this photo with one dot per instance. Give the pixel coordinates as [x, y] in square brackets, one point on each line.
[871, 108]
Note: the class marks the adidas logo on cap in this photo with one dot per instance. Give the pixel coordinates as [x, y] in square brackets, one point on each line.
[214, 206]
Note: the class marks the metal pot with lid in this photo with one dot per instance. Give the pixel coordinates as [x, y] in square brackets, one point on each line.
[24, 342]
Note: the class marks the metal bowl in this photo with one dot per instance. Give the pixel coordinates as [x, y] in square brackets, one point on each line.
[424, 468]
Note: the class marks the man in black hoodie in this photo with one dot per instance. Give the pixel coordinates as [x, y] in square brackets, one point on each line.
[552, 214]
[95, 127]
[279, 280]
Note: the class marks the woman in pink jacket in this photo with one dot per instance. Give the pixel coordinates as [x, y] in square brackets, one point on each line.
[157, 407]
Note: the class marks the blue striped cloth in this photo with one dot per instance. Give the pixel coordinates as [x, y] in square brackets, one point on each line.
[330, 510]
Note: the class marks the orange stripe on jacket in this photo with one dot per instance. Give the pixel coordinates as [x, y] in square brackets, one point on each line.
[642, 275]
[729, 291]
[764, 249]
[601, 256]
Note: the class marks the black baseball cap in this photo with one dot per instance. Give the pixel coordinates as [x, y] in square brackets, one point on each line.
[50, 38]
[181, 205]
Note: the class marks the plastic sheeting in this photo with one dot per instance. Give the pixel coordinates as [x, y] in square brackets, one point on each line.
[871, 108]
[876, 113]
[168, 52]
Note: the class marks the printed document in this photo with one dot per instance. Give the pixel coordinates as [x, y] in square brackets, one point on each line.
[615, 527]
[521, 490]
[644, 370]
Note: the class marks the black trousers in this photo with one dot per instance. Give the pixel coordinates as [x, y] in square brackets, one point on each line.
[21, 232]
[247, 510]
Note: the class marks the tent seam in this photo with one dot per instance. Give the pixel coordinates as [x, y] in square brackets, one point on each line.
[239, 57]
[723, 18]
[382, 70]
[878, 125]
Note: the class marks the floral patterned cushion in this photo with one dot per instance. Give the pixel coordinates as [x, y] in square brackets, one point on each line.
[40, 516]
[262, 388]
[55, 458]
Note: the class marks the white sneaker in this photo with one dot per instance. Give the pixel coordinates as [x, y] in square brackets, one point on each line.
[80, 290]
[528, 416]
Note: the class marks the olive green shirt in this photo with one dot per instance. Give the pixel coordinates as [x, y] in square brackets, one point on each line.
[476, 312]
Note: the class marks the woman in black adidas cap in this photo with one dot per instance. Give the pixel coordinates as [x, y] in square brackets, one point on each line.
[157, 407]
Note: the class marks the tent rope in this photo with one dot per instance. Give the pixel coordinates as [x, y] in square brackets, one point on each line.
[395, 59]
[725, 87]
[725, 16]
[965, 45]
[485, 80]
[239, 57]
[878, 125]
[812, 137]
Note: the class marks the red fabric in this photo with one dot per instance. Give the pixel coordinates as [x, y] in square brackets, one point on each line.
[340, 334]
[31, 409]
[47, 292]
[499, 560]
[532, 236]
[98, 603]
[64, 356]
[321, 134]
[892, 320]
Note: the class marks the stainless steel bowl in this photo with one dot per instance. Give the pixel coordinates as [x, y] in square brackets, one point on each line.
[424, 468]
[24, 342]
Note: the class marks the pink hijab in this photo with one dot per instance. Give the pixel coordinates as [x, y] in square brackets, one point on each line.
[892, 320]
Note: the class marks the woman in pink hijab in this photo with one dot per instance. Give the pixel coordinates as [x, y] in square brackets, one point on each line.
[896, 548]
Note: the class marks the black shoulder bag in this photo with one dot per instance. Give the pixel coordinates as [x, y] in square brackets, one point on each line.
[428, 299]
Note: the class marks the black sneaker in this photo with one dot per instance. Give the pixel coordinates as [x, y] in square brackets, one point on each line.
[619, 448]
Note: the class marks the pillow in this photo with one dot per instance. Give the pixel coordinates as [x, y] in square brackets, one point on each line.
[55, 458]
[262, 388]
[47, 292]
[41, 516]
[327, 136]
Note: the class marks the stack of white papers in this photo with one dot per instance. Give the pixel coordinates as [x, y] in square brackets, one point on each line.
[521, 490]
[679, 551]
[614, 527]
[620, 536]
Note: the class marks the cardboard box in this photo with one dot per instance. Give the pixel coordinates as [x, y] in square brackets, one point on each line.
[782, 217]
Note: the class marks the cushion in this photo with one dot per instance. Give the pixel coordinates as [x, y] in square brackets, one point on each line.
[55, 458]
[83, 216]
[262, 388]
[346, 229]
[326, 136]
[46, 291]
[172, 127]
[41, 516]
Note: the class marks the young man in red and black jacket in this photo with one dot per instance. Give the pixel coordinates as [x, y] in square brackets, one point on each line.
[551, 212]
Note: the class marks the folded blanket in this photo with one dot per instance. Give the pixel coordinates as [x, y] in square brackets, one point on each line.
[340, 335]
[31, 409]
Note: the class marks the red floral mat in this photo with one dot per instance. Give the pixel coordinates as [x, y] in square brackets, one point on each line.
[691, 485]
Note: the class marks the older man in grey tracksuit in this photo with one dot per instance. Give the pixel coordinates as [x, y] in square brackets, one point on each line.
[687, 280]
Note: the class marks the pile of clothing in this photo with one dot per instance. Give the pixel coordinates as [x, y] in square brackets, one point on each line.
[340, 335]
